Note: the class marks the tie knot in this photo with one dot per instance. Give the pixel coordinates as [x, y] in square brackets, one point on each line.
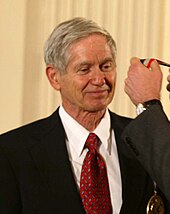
[92, 141]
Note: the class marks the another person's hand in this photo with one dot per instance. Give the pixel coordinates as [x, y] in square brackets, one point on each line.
[143, 84]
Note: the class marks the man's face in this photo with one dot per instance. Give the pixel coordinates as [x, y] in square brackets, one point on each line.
[89, 81]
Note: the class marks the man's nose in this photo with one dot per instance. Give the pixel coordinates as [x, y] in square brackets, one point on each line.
[98, 77]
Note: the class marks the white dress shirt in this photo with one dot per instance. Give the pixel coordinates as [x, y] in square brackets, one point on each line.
[76, 138]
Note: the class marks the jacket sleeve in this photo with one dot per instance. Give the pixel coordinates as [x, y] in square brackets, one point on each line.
[148, 136]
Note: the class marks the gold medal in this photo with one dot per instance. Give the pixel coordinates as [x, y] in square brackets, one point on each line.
[155, 205]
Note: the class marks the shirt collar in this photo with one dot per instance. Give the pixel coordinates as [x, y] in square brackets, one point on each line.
[103, 131]
[77, 134]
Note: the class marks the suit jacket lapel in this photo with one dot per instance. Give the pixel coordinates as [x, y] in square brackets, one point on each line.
[50, 155]
[117, 125]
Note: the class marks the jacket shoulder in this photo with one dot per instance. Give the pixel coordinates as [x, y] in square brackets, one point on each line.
[119, 120]
[35, 128]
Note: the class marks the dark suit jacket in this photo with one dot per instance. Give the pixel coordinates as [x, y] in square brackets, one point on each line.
[36, 175]
[148, 136]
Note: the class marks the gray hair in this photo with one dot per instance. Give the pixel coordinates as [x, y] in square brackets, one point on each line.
[57, 46]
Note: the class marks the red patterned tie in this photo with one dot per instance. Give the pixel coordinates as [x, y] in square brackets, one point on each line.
[94, 187]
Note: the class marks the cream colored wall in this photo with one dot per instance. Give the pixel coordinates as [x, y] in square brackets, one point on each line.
[12, 48]
[140, 27]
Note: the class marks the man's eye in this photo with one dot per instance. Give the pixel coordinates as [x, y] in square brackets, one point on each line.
[107, 67]
[83, 70]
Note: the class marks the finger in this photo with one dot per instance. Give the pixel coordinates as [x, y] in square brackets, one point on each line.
[134, 60]
[154, 65]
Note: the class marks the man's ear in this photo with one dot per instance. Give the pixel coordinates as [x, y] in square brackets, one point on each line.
[53, 76]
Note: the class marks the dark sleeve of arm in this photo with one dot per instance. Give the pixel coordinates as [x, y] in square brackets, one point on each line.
[9, 194]
[148, 136]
